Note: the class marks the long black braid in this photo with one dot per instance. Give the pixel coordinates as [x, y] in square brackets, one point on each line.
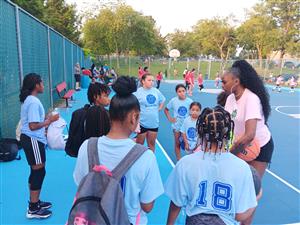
[214, 125]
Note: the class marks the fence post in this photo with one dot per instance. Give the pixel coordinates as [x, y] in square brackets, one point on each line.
[20, 57]
[64, 53]
[187, 62]
[49, 67]
[129, 65]
[198, 66]
[72, 60]
[209, 69]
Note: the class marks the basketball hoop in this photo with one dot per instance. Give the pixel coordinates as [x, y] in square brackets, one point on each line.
[174, 53]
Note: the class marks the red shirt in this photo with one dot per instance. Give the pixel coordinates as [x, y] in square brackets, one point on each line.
[200, 80]
[159, 76]
[86, 72]
[141, 73]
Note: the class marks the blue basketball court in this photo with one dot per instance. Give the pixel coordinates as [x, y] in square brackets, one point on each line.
[280, 203]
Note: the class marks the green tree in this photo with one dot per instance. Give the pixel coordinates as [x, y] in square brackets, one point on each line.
[34, 7]
[184, 42]
[258, 33]
[122, 30]
[62, 17]
[215, 37]
[286, 13]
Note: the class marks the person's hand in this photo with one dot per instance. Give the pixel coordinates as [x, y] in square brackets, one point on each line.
[173, 120]
[54, 117]
[187, 147]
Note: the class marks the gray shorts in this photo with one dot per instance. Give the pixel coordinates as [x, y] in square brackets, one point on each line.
[204, 219]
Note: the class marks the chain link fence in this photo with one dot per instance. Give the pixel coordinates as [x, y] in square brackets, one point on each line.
[27, 45]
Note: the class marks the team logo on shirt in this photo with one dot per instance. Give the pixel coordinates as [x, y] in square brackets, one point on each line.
[150, 99]
[233, 114]
[182, 111]
[192, 132]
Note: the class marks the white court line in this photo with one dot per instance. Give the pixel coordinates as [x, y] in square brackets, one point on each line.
[268, 171]
[294, 115]
[165, 153]
[283, 181]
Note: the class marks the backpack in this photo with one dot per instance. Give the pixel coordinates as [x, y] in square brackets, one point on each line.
[9, 150]
[76, 131]
[99, 199]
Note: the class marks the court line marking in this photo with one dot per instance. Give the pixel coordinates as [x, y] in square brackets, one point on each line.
[293, 115]
[165, 153]
[268, 171]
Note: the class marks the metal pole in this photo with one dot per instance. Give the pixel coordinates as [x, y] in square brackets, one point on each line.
[209, 69]
[72, 52]
[64, 53]
[129, 65]
[19, 46]
[198, 66]
[49, 67]
[187, 63]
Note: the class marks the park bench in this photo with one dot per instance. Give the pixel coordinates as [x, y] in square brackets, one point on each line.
[63, 93]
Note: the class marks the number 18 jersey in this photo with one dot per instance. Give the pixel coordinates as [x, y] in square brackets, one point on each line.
[220, 184]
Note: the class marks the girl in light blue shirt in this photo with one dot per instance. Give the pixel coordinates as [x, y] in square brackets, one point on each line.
[151, 101]
[208, 183]
[180, 106]
[188, 128]
[142, 182]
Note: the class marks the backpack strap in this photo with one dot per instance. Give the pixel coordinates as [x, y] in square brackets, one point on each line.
[92, 151]
[133, 155]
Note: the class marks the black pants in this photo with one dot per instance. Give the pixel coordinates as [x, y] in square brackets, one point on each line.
[157, 84]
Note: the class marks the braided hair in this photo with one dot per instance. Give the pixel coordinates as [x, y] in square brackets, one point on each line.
[214, 125]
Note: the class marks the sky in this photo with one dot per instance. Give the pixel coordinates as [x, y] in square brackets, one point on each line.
[181, 14]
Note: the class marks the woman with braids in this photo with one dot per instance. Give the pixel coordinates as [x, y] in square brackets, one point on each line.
[33, 141]
[207, 183]
[249, 107]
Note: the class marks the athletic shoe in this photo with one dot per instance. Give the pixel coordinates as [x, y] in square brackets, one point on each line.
[45, 205]
[38, 214]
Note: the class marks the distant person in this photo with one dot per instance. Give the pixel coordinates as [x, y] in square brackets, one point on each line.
[200, 81]
[217, 80]
[142, 183]
[159, 77]
[77, 76]
[292, 83]
[191, 81]
[33, 140]
[175, 73]
[279, 81]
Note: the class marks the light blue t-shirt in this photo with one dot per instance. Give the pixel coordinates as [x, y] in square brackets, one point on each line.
[180, 110]
[189, 129]
[32, 111]
[142, 181]
[219, 184]
[150, 100]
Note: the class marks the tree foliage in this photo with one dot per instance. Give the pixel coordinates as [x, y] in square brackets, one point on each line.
[184, 42]
[215, 37]
[286, 13]
[259, 33]
[122, 30]
[56, 13]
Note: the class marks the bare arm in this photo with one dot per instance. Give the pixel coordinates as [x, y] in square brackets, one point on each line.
[186, 143]
[250, 131]
[173, 213]
[147, 207]
[161, 106]
[245, 215]
[167, 113]
[47, 122]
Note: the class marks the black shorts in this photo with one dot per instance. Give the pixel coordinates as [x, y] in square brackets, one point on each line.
[266, 152]
[144, 130]
[77, 77]
[34, 150]
[187, 84]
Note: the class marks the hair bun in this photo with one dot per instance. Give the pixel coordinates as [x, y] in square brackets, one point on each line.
[124, 86]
